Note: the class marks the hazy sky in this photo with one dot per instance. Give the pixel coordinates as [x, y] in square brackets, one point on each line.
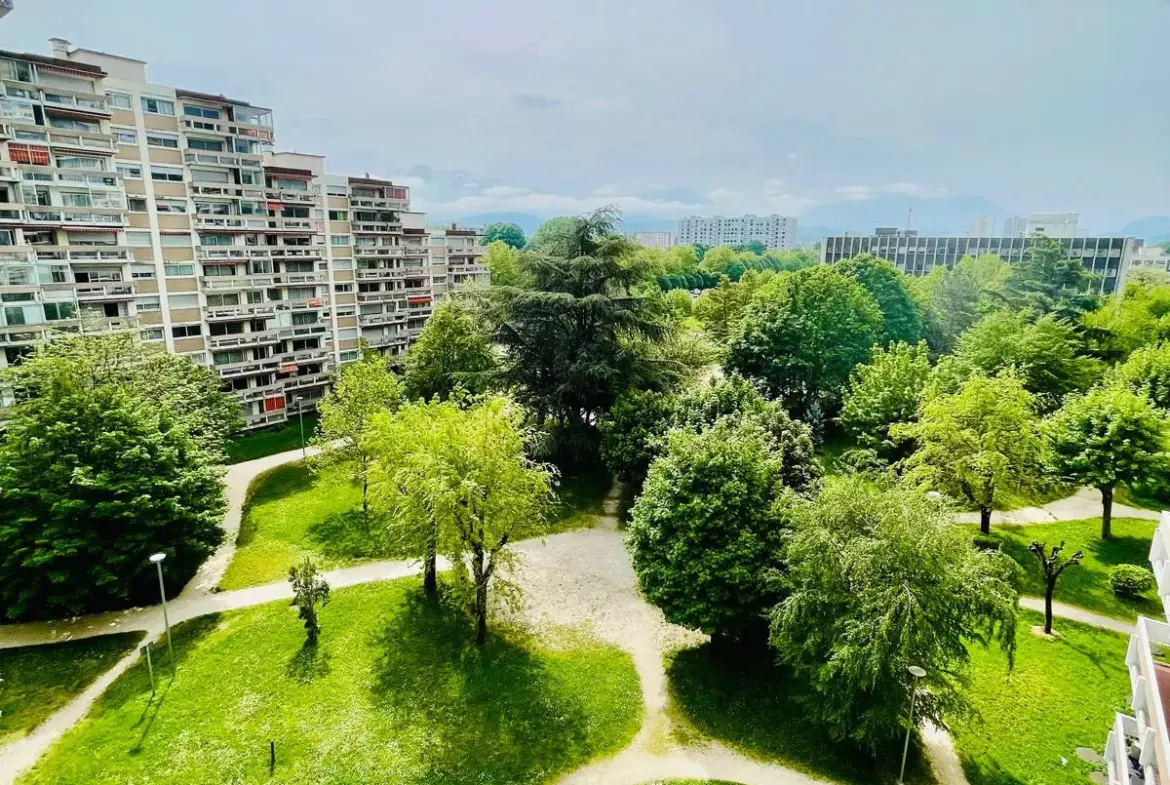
[670, 107]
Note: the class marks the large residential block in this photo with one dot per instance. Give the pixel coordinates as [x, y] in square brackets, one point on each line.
[772, 231]
[128, 205]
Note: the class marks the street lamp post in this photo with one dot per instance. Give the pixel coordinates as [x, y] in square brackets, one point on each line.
[301, 417]
[157, 559]
[917, 673]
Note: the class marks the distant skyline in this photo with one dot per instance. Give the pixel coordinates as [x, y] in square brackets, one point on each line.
[669, 109]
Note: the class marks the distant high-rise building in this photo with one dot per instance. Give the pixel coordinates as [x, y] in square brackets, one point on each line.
[773, 231]
[983, 226]
[662, 240]
[1058, 225]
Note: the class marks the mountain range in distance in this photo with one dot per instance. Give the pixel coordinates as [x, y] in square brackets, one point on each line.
[941, 215]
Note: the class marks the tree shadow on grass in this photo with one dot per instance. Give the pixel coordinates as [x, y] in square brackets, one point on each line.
[311, 662]
[349, 535]
[490, 715]
[985, 770]
[744, 698]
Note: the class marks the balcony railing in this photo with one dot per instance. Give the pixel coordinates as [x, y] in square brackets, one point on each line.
[70, 215]
[229, 282]
[235, 252]
[265, 418]
[108, 291]
[229, 222]
[380, 227]
[297, 252]
[294, 224]
[300, 197]
[225, 159]
[88, 254]
[386, 317]
[102, 144]
[244, 339]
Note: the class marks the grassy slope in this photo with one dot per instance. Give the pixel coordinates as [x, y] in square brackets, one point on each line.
[1061, 695]
[1087, 584]
[394, 692]
[292, 513]
[36, 681]
[754, 705]
[269, 441]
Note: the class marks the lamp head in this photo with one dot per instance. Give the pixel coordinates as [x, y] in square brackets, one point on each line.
[916, 671]
[156, 558]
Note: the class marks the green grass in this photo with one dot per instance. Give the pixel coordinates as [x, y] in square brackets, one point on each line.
[36, 681]
[394, 692]
[1086, 584]
[262, 442]
[292, 513]
[1061, 695]
[755, 706]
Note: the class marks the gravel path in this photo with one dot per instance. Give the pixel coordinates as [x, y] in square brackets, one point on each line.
[1061, 610]
[1085, 503]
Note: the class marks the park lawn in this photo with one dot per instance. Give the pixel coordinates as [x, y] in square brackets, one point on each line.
[1062, 694]
[394, 692]
[249, 445]
[293, 513]
[36, 681]
[754, 705]
[1086, 584]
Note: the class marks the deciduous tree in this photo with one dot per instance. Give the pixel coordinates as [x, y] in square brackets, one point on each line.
[888, 287]
[976, 442]
[504, 232]
[1148, 371]
[503, 262]
[1046, 281]
[879, 580]
[452, 351]
[1109, 436]
[802, 335]
[885, 392]
[111, 453]
[1053, 566]
[310, 591]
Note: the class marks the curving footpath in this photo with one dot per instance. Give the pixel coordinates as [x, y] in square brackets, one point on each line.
[1085, 503]
[561, 587]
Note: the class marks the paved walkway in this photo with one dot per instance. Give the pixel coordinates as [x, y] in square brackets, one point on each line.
[1061, 610]
[580, 577]
[1085, 503]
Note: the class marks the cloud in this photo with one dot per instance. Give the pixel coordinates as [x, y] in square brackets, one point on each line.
[535, 101]
[725, 195]
[794, 156]
[859, 192]
[513, 199]
[606, 190]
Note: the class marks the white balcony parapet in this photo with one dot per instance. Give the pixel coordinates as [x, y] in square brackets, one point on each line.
[1160, 560]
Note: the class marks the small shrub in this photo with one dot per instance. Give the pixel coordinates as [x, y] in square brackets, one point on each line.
[985, 543]
[1129, 580]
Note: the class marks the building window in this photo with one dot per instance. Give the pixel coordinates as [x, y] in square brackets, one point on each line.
[205, 144]
[139, 271]
[350, 355]
[177, 270]
[148, 303]
[166, 173]
[69, 124]
[343, 288]
[28, 154]
[168, 206]
[126, 137]
[187, 331]
[136, 204]
[57, 311]
[338, 215]
[158, 140]
[138, 239]
[201, 111]
[158, 106]
[222, 300]
[215, 239]
[126, 171]
[75, 200]
[227, 358]
[119, 100]
[304, 318]
[339, 239]
[78, 162]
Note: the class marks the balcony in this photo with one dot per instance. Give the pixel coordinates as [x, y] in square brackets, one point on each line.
[243, 339]
[1124, 739]
[264, 418]
[381, 251]
[299, 279]
[230, 282]
[294, 225]
[365, 202]
[247, 368]
[297, 251]
[238, 253]
[292, 197]
[380, 227]
[88, 254]
[230, 222]
[240, 312]
[74, 215]
[1160, 560]
[1149, 678]
[227, 190]
[386, 317]
[234, 160]
[80, 103]
[308, 380]
[105, 291]
[90, 143]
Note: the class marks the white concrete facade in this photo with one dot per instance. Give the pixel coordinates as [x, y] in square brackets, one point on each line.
[773, 231]
[661, 240]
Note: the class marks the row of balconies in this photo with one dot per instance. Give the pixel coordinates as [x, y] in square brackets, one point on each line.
[356, 202]
[379, 227]
[235, 160]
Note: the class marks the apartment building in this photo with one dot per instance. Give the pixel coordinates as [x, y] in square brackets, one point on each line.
[1058, 225]
[130, 205]
[1137, 749]
[456, 259]
[661, 240]
[773, 231]
[1108, 258]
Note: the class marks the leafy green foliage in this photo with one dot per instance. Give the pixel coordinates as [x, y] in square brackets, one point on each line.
[457, 480]
[885, 392]
[508, 233]
[395, 693]
[888, 287]
[630, 430]
[1044, 352]
[977, 442]
[1047, 281]
[1130, 580]
[112, 453]
[721, 308]
[549, 237]
[360, 390]
[1148, 371]
[452, 351]
[1141, 317]
[802, 335]
[503, 262]
[880, 580]
[708, 526]
[1109, 436]
[310, 591]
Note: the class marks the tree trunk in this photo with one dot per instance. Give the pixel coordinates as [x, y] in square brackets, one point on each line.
[430, 573]
[1106, 513]
[366, 501]
[985, 520]
[481, 598]
[1048, 607]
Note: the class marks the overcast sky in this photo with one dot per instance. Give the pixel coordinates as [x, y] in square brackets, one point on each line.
[670, 107]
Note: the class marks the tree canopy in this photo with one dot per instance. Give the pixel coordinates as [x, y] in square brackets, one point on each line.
[883, 393]
[1147, 370]
[452, 351]
[1046, 281]
[503, 262]
[802, 335]
[879, 580]
[112, 453]
[509, 233]
[888, 287]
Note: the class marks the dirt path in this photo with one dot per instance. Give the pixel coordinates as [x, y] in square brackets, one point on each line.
[1085, 503]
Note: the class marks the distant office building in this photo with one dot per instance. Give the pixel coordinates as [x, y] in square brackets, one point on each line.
[1154, 256]
[1107, 257]
[983, 226]
[662, 240]
[773, 231]
[1057, 225]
